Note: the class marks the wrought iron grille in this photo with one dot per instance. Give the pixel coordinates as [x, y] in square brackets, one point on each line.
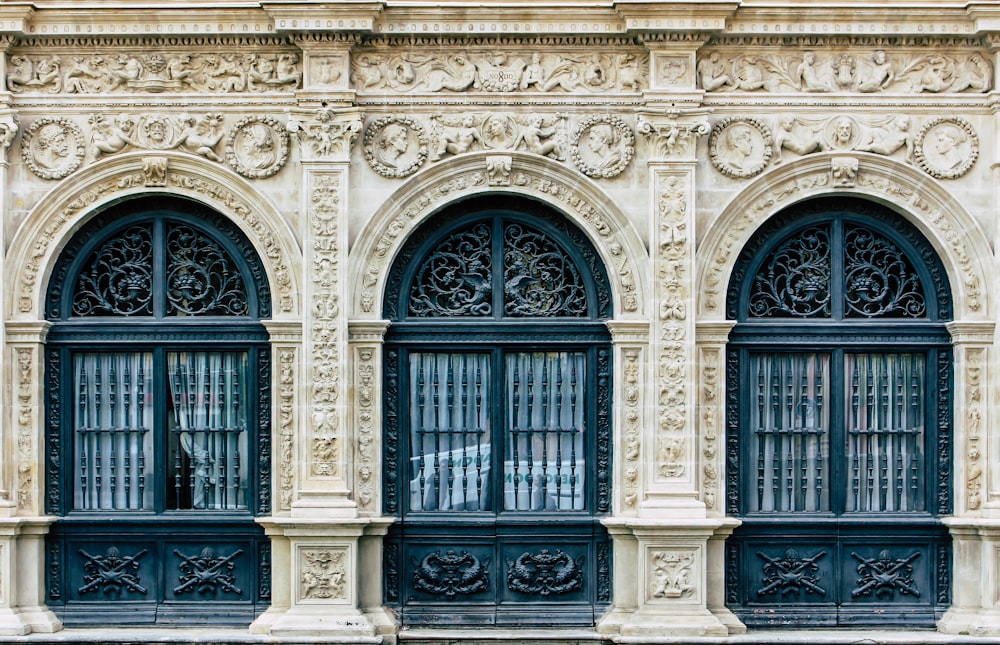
[118, 278]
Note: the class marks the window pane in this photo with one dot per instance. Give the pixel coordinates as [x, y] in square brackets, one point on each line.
[544, 463]
[885, 432]
[449, 432]
[790, 423]
[207, 427]
[112, 422]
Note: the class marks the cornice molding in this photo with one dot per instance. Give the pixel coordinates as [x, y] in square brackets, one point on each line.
[344, 15]
[82, 20]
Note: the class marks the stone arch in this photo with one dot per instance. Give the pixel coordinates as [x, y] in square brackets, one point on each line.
[40, 238]
[616, 240]
[953, 233]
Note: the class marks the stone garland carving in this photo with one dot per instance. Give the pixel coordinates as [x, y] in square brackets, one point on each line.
[257, 147]
[632, 395]
[395, 146]
[323, 575]
[875, 72]
[154, 73]
[603, 146]
[740, 147]
[672, 260]
[946, 147]
[974, 420]
[674, 138]
[328, 134]
[286, 428]
[709, 406]
[326, 358]
[365, 458]
[25, 423]
[53, 148]
[498, 72]
[672, 573]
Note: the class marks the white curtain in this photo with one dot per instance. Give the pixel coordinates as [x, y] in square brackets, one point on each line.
[449, 432]
[113, 438]
[789, 419]
[207, 425]
[545, 459]
[885, 432]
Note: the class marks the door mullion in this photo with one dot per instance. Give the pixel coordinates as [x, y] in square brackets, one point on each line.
[839, 468]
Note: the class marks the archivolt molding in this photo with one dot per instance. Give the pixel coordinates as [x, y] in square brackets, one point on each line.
[955, 235]
[62, 211]
[613, 236]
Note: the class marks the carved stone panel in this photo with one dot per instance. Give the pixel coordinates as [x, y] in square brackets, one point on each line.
[53, 148]
[323, 574]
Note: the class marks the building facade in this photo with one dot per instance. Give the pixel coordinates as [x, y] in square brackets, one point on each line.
[641, 318]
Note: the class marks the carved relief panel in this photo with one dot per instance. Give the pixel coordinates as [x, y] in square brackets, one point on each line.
[674, 574]
[323, 574]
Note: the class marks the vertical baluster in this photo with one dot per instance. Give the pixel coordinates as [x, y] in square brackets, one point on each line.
[84, 430]
[819, 432]
[129, 431]
[761, 436]
[803, 432]
[899, 427]
[112, 429]
[883, 438]
[854, 430]
[450, 395]
[776, 436]
[869, 437]
[530, 409]
[574, 432]
[222, 436]
[179, 393]
[421, 406]
[140, 403]
[465, 429]
[237, 423]
[206, 433]
[515, 425]
[542, 426]
[437, 403]
[558, 426]
[479, 434]
[913, 435]
[98, 459]
[789, 434]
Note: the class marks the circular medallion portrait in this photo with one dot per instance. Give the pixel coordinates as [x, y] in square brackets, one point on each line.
[53, 148]
[946, 148]
[841, 133]
[257, 147]
[740, 147]
[395, 146]
[603, 146]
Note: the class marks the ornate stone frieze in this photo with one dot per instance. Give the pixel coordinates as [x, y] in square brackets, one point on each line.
[257, 147]
[603, 146]
[631, 453]
[946, 147]
[323, 575]
[53, 148]
[286, 427]
[673, 135]
[325, 443]
[330, 135]
[377, 71]
[845, 71]
[740, 147]
[708, 405]
[25, 429]
[154, 73]
[884, 136]
[974, 360]
[365, 464]
[673, 251]
[672, 573]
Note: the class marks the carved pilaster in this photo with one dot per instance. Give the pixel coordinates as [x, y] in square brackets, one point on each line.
[325, 134]
[674, 133]
[366, 352]
[631, 341]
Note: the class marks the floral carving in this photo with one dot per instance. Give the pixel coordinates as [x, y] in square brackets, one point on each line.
[395, 146]
[709, 407]
[25, 420]
[286, 427]
[946, 147]
[53, 148]
[675, 136]
[324, 574]
[257, 147]
[672, 573]
[740, 147]
[603, 146]
[155, 72]
[366, 394]
[633, 400]
[974, 427]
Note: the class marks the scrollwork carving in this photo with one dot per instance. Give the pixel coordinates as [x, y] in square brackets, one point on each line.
[673, 573]
[974, 427]
[286, 427]
[884, 576]
[323, 574]
[25, 428]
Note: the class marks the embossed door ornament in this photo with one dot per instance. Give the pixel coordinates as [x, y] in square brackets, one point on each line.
[395, 146]
[947, 147]
[53, 148]
[207, 573]
[112, 573]
[790, 574]
[672, 574]
[740, 147]
[603, 146]
[257, 147]
[885, 575]
[545, 573]
[451, 574]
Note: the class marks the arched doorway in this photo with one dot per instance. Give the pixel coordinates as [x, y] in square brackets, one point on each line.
[839, 444]
[157, 419]
[497, 420]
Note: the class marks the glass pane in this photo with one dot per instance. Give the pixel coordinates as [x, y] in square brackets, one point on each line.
[112, 438]
[207, 427]
[449, 432]
[790, 424]
[885, 432]
[544, 463]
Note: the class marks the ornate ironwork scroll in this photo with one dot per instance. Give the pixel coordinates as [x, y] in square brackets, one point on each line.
[451, 574]
[201, 278]
[795, 279]
[456, 278]
[879, 279]
[539, 278]
[118, 280]
[545, 573]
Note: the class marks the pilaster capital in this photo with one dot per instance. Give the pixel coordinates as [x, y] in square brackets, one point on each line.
[674, 133]
[972, 332]
[629, 332]
[27, 332]
[367, 331]
[713, 332]
[284, 331]
[330, 133]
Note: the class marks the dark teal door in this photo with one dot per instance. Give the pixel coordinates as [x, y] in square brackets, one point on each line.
[839, 422]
